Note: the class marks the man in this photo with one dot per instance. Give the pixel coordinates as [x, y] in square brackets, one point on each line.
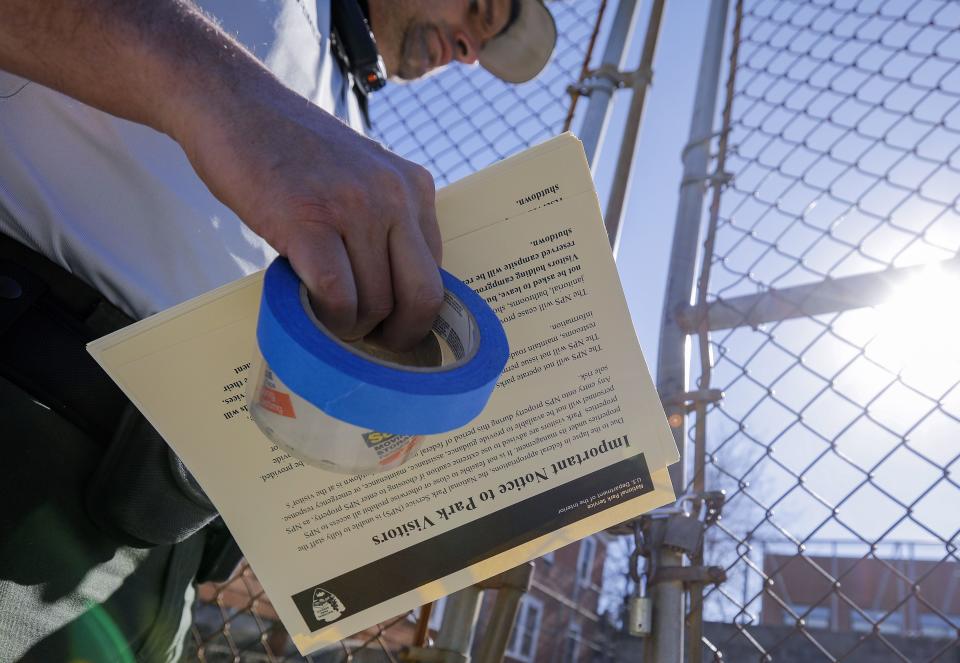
[150, 157]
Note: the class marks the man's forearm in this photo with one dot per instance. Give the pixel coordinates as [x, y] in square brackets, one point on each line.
[357, 222]
[151, 61]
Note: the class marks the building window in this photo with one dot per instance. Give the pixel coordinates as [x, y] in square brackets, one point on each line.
[588, 548]
[817, 617]
[892, 623]
[523, 640]
[571, 644]
[934, 626]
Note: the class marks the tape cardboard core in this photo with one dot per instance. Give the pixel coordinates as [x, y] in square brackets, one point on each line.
[452, 340]
[425, 354]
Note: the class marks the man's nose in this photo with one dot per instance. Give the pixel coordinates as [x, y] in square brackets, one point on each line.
[466, 47]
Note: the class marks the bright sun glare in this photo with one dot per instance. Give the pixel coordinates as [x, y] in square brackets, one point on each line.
[917, 327]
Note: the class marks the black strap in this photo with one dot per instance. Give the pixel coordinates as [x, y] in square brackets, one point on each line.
[46, 319]
[140, 494]
[355, 50]
[80, 300]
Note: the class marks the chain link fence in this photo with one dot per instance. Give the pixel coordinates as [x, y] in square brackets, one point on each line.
[463, 119]
[831, 329]
[234, 621]
[453, 123]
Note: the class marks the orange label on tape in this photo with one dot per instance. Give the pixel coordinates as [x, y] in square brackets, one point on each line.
[277, 402]
[401, 454]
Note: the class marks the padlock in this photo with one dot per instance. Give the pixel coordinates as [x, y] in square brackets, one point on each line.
[640, 614]
[683, 532]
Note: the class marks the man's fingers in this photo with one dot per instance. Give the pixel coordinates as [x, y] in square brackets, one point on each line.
[371, 273]
[367, 249]
[417, 290]
[428, 215]
[431, 234]
[320, 260]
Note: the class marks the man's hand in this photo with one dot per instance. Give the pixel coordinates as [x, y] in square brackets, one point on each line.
[357, 222]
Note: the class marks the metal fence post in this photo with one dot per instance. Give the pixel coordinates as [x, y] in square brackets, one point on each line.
[672, 363]
[594, 123]
[672, 367]
[642, 78]
[459, 621]
[510, 587]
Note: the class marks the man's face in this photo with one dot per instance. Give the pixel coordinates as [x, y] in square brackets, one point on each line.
[415, 36]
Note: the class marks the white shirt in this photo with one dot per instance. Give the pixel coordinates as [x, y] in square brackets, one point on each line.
[117, 203]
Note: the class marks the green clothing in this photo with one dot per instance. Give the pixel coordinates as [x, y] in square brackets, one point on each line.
[68, 591]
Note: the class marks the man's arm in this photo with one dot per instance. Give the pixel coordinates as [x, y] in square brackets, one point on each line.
[357, 222]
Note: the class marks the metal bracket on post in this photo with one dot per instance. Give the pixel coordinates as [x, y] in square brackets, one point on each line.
[689, 399]
[593, 126]
[698, 143]
[712, 179]
[608, 78]
[691, 575]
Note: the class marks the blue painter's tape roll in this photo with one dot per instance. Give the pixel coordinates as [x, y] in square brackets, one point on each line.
[370, 394]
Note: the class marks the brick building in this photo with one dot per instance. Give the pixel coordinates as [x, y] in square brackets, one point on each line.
[894, 606]
[881, 588]
[557, 621]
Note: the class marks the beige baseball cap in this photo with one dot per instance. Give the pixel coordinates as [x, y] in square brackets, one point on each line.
[521, 51]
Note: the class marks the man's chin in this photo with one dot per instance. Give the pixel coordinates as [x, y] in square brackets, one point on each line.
[411, 73]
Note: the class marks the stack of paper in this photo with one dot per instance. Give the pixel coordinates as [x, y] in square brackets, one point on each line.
[573, 440]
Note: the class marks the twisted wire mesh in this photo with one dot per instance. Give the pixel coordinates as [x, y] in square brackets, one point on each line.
[453, 123]
[234, 621]
[464, 118]
[838, 437]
